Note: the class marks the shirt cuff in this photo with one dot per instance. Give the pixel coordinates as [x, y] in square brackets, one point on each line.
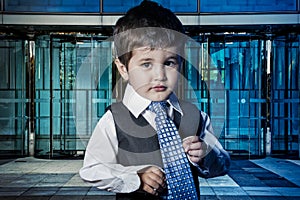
[126, 183]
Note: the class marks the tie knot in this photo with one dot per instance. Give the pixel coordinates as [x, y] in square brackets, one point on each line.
[158, 107]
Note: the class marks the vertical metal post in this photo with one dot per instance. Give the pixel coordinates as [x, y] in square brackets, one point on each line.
[1, 6]
[298, 93]
[31, 65]
[268, 117]
[268, 142]
[51, 100]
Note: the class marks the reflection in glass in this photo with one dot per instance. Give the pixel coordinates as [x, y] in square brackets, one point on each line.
[247, 5]
[122, 6]
[285, 113]
[84, 6]
[73, 90]
[13, 119]
[229, 85]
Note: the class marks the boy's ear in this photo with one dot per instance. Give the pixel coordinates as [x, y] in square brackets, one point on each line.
[122, 69]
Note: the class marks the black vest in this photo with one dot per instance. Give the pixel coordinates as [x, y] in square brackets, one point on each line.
[138, 141]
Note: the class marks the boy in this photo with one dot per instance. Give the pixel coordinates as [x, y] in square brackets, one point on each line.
[125, 152]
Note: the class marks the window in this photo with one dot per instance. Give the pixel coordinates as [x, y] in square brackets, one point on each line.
[78, 6]
[121, 6]
[208, 6]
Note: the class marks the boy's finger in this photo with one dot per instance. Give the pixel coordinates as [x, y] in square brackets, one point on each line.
[186, 143]
[195, 139]
[157, 171]
[150, 189]
[196, 153]
[196, 145]
[156, 178]
[190, 140]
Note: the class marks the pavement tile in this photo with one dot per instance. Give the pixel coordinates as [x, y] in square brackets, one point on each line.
[221, 181]
[77, 191]
[207, 191]
[284, 168]
[76, 181]
[244, 178]
[69, 197]
[261, 191]
[95, 192]
[41, 179]
[33, 198]
[11, 193]
[230, 197]
[229, 191]
[209, 198]
[100, 198]
[39, 192]
[291, 192]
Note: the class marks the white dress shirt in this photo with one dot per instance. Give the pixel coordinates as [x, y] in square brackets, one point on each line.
[100, 165]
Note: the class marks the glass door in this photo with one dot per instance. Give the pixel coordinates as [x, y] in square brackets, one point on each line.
[72, 91]
[13, 97]
[230, 85]
[285, 95]
[245, 85]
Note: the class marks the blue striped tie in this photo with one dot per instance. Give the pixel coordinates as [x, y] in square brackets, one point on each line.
[176, 165]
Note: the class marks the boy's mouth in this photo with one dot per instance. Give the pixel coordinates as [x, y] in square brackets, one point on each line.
[159, 88]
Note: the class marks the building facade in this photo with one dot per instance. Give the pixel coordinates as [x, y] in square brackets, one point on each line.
[242, 68]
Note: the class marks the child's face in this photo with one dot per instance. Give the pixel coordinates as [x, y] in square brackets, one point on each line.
[152, 73]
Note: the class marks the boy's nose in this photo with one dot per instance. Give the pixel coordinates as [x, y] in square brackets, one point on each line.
[160, 73]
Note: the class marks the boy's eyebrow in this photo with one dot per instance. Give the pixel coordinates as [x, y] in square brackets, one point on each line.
[146, 59]
[173, 57]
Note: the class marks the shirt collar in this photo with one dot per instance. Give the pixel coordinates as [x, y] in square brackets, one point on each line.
[173, 101]
[137, 104]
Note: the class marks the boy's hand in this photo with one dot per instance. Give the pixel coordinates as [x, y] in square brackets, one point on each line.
[194, 148]
[152, 180]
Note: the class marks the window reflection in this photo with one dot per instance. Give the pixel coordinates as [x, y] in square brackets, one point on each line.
[73, 89]
[247, 6]
[52, 6]
[227, 79]
[232, 74]
[121, 6]
[13, 119]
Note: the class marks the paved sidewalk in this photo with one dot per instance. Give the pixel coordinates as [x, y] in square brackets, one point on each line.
[32, 178]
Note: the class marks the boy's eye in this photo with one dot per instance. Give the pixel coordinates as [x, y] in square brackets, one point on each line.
[146, 65]
[171, 63]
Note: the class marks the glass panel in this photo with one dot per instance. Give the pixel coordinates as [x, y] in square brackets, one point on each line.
[13, 129]
[73, 90]
[285, 114]
[121, 6]
[247, 5]
[42, 95]
[245, 98]
[52, 6]
[228, 85]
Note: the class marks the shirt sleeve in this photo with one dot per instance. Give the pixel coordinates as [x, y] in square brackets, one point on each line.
[100, 165]
[216, 161]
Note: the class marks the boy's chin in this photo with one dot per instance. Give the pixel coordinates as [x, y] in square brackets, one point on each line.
[159, 97]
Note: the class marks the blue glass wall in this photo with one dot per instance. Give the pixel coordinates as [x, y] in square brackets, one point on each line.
[73, 88]
[230, 86]
[285, 93]
[13, 101]
[247, 5]
[76, 6]
[121, 6]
